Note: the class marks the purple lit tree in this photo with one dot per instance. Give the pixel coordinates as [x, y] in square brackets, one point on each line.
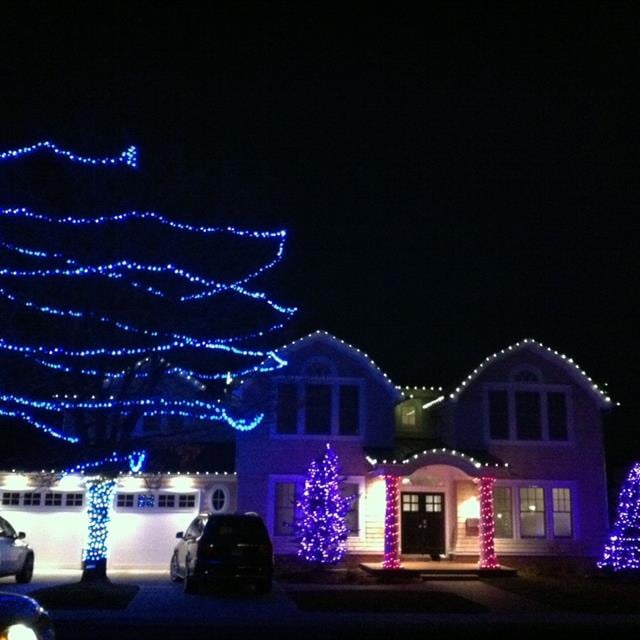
[321, 527]
[622, 552]
[101, 313]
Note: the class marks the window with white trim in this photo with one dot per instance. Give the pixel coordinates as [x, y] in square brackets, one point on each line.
[318, 407]
[52, 499]
[124, 500]
[524, 412]
[31, 499]
[562, 518]
[532, 512]
[166, 500]
[503, 512]
[284, 508]
[218, 500]
[73, 500]
[352, 490]
[10, 498]
[186, 501]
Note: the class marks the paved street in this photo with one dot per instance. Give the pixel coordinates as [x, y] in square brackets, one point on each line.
[162, 610]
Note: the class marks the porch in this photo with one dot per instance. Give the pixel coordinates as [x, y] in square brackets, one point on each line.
[436, 570]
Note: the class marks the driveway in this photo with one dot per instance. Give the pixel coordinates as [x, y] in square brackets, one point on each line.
[162, 610]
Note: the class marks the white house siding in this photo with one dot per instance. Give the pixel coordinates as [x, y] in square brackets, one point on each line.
[372, 512]
[139, 538]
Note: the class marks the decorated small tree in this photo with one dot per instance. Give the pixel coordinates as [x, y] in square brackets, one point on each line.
[622, 552]
[321, 527]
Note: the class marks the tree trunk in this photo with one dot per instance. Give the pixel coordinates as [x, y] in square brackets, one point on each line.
[94, 571]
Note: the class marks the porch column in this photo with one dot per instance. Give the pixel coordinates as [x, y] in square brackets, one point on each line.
[391, 558]
[488, 558]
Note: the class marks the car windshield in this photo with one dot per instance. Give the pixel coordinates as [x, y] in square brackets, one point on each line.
[235, 529]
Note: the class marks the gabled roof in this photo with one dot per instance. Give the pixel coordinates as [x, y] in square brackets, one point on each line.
[546, 352]
[348, 349]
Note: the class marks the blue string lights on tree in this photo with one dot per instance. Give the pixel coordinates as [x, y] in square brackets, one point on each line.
[98, 312]
[322, 528]
[622, 552]
[102, 312]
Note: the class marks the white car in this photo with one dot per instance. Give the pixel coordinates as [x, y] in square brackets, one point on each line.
[16, 557]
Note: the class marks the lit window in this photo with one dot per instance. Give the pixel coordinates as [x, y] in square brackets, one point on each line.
[532, 512]
[562, 527]
[502, 512]
[410, 502]
[408, 415]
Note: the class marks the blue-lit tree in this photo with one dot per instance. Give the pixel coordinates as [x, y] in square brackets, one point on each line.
[321, 526]
[98, 311]
[622, 552]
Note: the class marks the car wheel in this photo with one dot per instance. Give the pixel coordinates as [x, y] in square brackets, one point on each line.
[173, 569]
[190, 583]
[26, 573]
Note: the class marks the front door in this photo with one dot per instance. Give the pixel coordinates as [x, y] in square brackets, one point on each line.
[423, 524]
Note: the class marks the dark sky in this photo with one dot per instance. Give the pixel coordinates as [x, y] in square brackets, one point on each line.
[452, 181]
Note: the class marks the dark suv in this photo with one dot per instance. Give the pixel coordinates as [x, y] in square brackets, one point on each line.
[224, 547]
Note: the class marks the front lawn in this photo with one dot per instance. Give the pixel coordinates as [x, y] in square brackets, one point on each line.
[593, 594]
[364, 600]
[86, 595]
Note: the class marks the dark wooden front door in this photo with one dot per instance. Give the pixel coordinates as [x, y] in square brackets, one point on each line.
[423, 523]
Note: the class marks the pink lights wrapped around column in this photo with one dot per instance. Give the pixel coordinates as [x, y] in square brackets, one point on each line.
[391, 529]
[488, 558]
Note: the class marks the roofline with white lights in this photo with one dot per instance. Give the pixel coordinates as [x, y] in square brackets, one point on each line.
[561, 358]
[351, 350]
[439, 452]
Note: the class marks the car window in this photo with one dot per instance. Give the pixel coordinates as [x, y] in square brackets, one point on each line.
[6, 529]
[238, 529]
[195, 529]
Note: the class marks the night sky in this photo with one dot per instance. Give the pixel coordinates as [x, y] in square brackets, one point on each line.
[452, 181]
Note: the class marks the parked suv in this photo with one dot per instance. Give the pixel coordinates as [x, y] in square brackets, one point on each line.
[224, 547]
[16, 557]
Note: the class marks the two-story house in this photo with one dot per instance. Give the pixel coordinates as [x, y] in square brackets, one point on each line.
[527, 420]
[510, 462]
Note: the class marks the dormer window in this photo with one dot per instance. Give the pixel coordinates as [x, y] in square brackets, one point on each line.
[526, 410]
[318, 408]
[408, 416]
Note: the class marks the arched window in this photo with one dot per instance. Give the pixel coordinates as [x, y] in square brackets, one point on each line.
[319, 368]
[525, 374]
